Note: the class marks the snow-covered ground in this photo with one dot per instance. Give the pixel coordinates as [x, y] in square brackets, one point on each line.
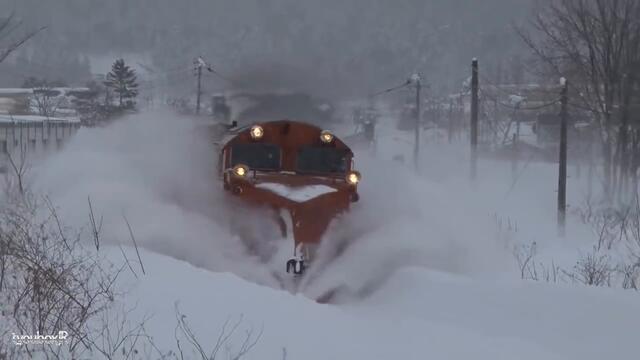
[418, 313]
[429, 274]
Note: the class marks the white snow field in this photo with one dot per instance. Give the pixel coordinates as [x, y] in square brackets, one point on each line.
[416, 314]
[428, 275]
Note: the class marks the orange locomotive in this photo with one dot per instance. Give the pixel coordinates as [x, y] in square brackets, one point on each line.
[303, 173]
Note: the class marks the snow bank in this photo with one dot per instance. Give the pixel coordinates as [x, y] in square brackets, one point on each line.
[418, 314]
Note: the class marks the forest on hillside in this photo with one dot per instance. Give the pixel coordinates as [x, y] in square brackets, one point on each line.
[330, 47]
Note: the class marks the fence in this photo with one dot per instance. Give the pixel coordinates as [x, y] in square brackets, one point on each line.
[35, 137]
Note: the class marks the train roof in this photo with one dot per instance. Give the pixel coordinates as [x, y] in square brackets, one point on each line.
[278, 132]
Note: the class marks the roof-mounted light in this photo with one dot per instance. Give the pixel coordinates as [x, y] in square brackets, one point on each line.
[257, 132]
[326, 136]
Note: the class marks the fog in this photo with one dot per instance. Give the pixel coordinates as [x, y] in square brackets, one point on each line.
[330, 47]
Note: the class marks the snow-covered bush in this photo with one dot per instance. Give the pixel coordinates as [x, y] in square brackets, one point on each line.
[58, 282]
[51, 280]
[613, 260]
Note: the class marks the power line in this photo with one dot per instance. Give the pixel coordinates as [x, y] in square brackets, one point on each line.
[218, 74]
[417, 80]
[202, 64]
[386, 91]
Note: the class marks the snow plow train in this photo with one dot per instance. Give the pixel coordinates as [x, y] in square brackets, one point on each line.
[299, 172]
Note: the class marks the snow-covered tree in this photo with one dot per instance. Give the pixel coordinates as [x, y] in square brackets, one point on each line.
[123, 81]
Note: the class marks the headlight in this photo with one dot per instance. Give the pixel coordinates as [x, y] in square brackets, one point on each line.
[353, 177]
[326, 136]
[257, 132]
[240, 170]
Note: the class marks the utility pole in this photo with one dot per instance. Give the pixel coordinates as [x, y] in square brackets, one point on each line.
[199, 64]
[627, 85]
[474, 119]
[416, 148]
[562, 171]
[450, 125]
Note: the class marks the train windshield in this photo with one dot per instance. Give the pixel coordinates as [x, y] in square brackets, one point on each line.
[322, 160]
[256, 156]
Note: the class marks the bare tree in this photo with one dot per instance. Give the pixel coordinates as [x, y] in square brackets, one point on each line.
[19, 167]
[8, 26]
[47, 101]
[249, 339]
[595, 44]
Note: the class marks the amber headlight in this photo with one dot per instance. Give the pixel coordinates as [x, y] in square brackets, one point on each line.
[326, 136]
[353, 177]
[240, 170]
[257, 132]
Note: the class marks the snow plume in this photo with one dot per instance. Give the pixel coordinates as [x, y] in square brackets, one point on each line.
[159, 171]
[405, 221]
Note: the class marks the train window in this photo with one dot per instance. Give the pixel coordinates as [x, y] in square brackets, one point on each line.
[256, 156]
[322, 160]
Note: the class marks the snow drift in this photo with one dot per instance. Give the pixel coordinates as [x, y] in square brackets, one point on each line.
[417, 314]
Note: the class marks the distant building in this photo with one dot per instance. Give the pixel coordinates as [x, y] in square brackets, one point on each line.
[22, 128]
[15, 101]
[547, 128]
[34, 133]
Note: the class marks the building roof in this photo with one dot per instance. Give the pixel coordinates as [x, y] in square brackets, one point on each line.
[13, 119]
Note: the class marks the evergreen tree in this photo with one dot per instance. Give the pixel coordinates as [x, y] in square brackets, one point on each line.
[123, 81]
